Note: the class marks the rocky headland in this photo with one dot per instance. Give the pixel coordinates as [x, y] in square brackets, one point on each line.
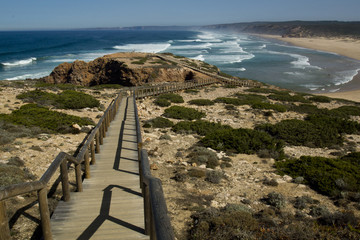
[126, 69]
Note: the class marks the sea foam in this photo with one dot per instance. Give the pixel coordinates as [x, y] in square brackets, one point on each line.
[25, 76]
[345, 76]
[149, 47]
[19, 63]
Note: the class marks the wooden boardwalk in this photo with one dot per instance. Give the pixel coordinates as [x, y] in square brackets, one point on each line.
[111, 205]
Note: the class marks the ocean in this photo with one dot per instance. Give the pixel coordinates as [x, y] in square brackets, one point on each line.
[34, 54]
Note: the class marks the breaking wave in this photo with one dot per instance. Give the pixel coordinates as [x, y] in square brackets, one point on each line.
[19, 63]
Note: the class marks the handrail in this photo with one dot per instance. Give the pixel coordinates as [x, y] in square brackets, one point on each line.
[61, 161]
[157, 220]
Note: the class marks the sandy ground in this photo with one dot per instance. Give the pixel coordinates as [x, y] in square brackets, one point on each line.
[343, 46]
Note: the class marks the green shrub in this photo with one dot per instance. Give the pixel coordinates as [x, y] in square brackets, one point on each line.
[225, 75]
[286, 97]
[179, 112]
[161, 102]
[267, 106]
[192, 91]
[11, 174]
[234, 223]
[31, 115]
[251, 97]
[322, 99]
[172, 97]
[233, 101]
[265, 90]
[140, 61]
[201, 155]
[201, 127]
[315, 131]
[241, 141]
[159, 122]
[346, 110]
[201, 102]
[305, 108]
[325, 175]
[275, 199]
[214, 176]
[68, 99]
[39, 97]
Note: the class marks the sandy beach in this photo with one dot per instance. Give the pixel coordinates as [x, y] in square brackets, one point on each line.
[343, 46]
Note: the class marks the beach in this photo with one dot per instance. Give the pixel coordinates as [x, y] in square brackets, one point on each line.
[343, 46]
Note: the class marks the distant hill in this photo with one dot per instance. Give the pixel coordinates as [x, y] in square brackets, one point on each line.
[294, 28]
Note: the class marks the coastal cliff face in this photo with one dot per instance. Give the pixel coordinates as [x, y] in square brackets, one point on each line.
[294, 28]
[127, 69]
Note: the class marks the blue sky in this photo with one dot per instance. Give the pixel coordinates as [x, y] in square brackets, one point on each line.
[65, 14]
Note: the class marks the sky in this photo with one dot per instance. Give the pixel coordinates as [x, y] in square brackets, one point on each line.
[69, 14]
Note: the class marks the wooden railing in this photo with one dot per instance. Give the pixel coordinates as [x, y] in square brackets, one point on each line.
[157, 220]
[86, 156]
[144, 91]
[226, 80]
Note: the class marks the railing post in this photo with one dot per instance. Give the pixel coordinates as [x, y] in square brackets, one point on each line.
[44, 214]
[65, 180]
[101, 133]
[87, 164]
[4, 224]
[147, 209]
[92, 149]
[97, 138]
[78, 177]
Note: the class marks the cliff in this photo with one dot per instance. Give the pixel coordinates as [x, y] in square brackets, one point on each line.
[127, 69]
[294, 28]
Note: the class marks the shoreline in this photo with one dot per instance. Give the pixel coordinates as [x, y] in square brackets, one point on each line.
[342, 46]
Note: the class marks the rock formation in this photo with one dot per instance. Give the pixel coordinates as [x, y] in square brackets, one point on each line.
[127, 69]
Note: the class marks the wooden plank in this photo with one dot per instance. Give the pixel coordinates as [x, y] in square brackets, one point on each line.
[110, 206]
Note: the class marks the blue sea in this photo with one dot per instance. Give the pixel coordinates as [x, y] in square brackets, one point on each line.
[34, 54]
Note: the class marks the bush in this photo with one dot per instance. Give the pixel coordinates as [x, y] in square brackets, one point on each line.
[200, 127]
[212, 224]
[315, 131]
[265, 90]
[275, 199]
[159, 122]
[241, 141]
[172, 97]
[305, 108]
[251, 97]
[68, 99]
[201, 155]
[322, 99]
[201, 102]
[179, 112]
[263, 105]
[324, 174]
[192, 91]
[10, 174]
[162, 102]
[31, 115]
[214, 176]
[233, 101]
[286, 97]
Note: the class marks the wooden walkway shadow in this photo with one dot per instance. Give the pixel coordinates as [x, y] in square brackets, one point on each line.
[111, 205]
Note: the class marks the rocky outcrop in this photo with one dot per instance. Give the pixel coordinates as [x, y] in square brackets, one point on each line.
[121, 68]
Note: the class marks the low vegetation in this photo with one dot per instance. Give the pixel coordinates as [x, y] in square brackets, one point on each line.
[314, 131]
[32, 115]
[158, 122]
[201, 102]
[68, 99]
[179, 112]
[241, 140]
[332, 177]
[286, 97]
[165, 100]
